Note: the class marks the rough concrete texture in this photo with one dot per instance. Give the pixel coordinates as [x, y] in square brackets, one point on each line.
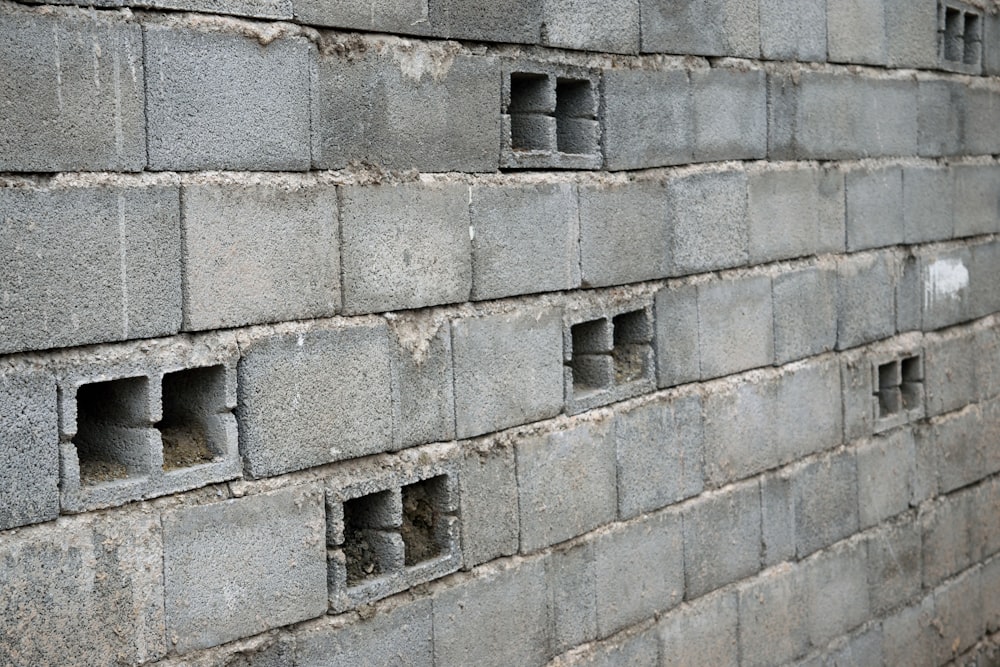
[837, 584]
[489, 493]
[874, 208]
[977, 199]
[894, 566]
[423, 385]
[793, 30]
[945, 538]
[776, 606]
[592, 25]
[735, 325]
[730, 114]
[911, 30]
[722, 537]
[405, 16]
[703, 631]
[677, 351]
[709, 216]
[866, 310]
[940, 128]
[826, 502]
[885, 477]
[805, 313]
[927, 204]
[703, 27]
[856, 31]
[569, 574]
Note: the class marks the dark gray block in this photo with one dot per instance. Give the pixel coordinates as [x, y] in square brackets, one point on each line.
[518, 21]
[570, 577]
[405, 246]
[865, 293]
[677, 352]
[793, 30]
[735, 325]
[940, 118]
[566, 483]
[624, 233]
[710, 221]
[701, 27]
[977, 199]
[730, 114]
[951, 366]
[593, 25]
[837, 581]
[423, 385]
[805, 313]
[250, 110]
[927, 204]
[88, 265]
[775, 606]
[311, 398]
[73, 92]
[490, 527]
[402, 16]
[722, 538]
[911, 33]
[826, 502]
[259, 254]
[701, 632]
[885, 477]
[894, 564]
[856, 31]
[525, 239]
[508, 370]
[874, 208]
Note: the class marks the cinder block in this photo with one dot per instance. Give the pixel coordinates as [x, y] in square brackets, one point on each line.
[885, 477]
[958, 610]
[988, 373]
[805, 313]
[793, 30]
[991, 603]
[508, 370]
[423, 385]
[258, 254]
[950, 372]
[510, 602]
[894, 565]
[946, 537]
[979, 116]
[644, 130]
[857, 31]
[408, 108]
[703, 27]
[710, 221]
[991, 40]
[722, 538]
[945, 287]
[250, 110]
[984, 525]
[635, 650]
[640, 571]
[659, 454]
[837, 581]
[399, 16]
[977, 199]
[910, 637]
[525, 239]
[702, 632]
[862, 648]
[927, 204]
[965, 446]
[624, 233]
[985, 276]
[519, 22]
[73, 88]
[311, 398]
[566, 483]
[88, 265]
[865, 293]
[405, 246]
[925, 478]
[570, 575]
[909, 292]
[735, 325]
[776, 607]
[941, 104]
[488, 482]
[593, 25]
[677, 353]
[911, 34]
[874, 208]
[826, 502]
[730, 114]
[777, 523]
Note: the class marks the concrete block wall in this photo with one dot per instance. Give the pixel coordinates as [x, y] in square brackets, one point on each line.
[549, 332]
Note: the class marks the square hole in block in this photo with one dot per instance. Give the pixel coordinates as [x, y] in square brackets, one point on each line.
[911, 388]
[372, 545]
[191, 431]
[888, 389]
[632, 334]
[111, 430]
[575, 103]
[591, 361]
[954, 26]
[424, 530]
[972, 41]
[529, 93]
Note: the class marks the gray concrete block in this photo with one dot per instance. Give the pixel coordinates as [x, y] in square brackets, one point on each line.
[396, 636]
[777, 518]
[488, 488]
[511, 603]
[722, 538]
[950, 372]
[624, 233]
[640, 571]
[946, 537]
[927, 204]
[399, 16]
[730, 114]
[940, 124]
[525, 239]
[885, 477]
[793, 30]
[636, 650]
[977, 199]
[909, 292]
[566, 483]
[29, 449]
[257, 563]
[909, 637]
[704, 27]
[958, 610]
[979, 116]
[805, 313]
[266, 9]
[594, 25]
[874, 208]
[984, 513]
[925, 477]
[677, 353]
[776, 607]
[965, 447]
[710, 221]
[865, 293]
[894, 566]
[826, 502]
[856, 31]
[73, 91]
[88, 265]
[985, 276]
[258, 254]
[519, 22]
[988, 374]
[405, 246]
[311, 398]
[249, 111]
[837, 581]
[735, 325]
[862, 648]
[83, 591]
[659, 454]
[643, 130]
[944, 287]
[423, 400]
[991, 44]
[408, 109]
[911, 34]
[570, 575]
[508, 370]
[702, 632]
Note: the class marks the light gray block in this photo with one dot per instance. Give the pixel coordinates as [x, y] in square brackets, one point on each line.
[793, 30]
[856, 31]
[518, 21]
[402, 635]
[927, 204]
[805, 313]
[710, 221]
[865, 293]
[735, 325]
[977, 199]
[88, 265]
[894, 564]
[941, 104]
[702, 632]
[510, 603]
[874, 208]
[423, 385]
[405, 246]
[593, 25]
[570, 577]
[257, 563]
[640, 571]
[73, 92]
[951, 366]
[249, 111]
[29, 449]
[730, 114]
[701, 27]
[775, 606]
[311, 398]
[624, 233]
[676, 321]
[885, 477]
[958, 609]
[490, 527]
[777, 523]
[84, 591]
[911, 33]
[946, 537]
[566, 483]
[837, 581]
[659, 454]
[525, 239]
[400, 16]
[637, 650]
[647, 117]
[909, 636]
[826, 502]
[258, 254]
[722, 538]
[508, 370]
[407, 109]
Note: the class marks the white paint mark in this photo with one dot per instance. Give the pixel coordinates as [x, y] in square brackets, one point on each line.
[58, 55]
[301, 340]
[946, 278]
[123, 264]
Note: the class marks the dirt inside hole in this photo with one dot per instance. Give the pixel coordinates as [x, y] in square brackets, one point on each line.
[361, 557]
[96, 471]
[184, 446]
[630, 360]
[419, 520]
